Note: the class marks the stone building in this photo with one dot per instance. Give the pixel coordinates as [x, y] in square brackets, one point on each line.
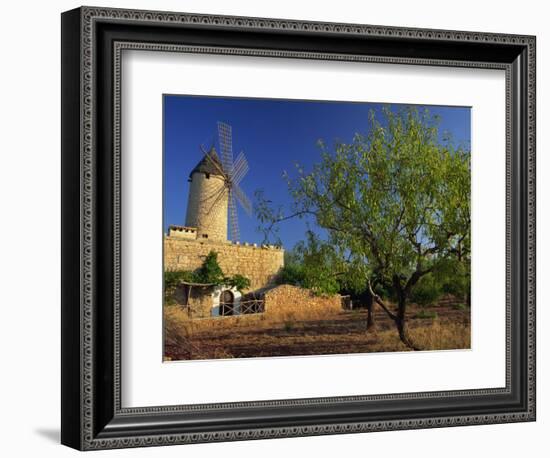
[207, 201]
[205, 230]
[261, 264]
[209, 301]
[278, 302]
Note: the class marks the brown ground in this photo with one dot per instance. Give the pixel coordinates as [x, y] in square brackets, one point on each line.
[344, 332]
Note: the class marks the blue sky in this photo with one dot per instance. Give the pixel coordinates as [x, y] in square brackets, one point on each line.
[274, 134]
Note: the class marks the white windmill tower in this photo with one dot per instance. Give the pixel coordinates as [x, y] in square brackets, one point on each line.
[215, 190]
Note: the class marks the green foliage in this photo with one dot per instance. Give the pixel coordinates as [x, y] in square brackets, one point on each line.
[292, 274]
[173, 278]
[454, 276]
[460, 306]
[395, 203]
[209, 273]
[427, 291]
[320, 263]
[313, 264]
[237, 281]
[449, 276]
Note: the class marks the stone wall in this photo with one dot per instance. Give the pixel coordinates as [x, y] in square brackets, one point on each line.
[300, 302]
[200, 299]
[260, 264]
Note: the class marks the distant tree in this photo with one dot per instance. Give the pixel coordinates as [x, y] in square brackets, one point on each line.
[313, 264]
[394, 202]
[427, 290]
[449, 276]
[454, 276]
[292, 272]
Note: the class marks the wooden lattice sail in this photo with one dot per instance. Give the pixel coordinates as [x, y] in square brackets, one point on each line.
[232, 171]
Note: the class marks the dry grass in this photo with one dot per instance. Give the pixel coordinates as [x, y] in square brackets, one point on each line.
[442, 336]
[288, 334]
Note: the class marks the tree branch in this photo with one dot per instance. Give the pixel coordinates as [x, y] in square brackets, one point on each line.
[268, 229]
[380, 302]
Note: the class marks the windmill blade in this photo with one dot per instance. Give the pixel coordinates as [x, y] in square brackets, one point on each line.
[213, 161]
[242, 198]
[233, 218]
[240, 168]
[226, 147]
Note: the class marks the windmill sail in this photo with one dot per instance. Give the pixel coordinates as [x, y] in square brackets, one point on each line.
[242, 198]
[233, 172]
[233, 218]
[226, 146]
[240, 168]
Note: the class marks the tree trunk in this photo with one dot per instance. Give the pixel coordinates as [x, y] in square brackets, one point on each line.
[370, 311]
[401, 322]
[399, 319]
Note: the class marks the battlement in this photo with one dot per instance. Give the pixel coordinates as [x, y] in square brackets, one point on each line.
[190, 233]
[182, 232]
[261, 246]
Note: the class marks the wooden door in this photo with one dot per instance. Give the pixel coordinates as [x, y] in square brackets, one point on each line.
[227, 303]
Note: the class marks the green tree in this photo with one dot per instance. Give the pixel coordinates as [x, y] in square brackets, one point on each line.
[427, 290]
[313, 264]
[453, 274]
[395, 202]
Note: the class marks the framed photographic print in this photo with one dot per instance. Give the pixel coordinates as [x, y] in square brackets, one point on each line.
[276, 228]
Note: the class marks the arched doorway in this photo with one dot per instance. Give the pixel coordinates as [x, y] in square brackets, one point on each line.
[227, 303]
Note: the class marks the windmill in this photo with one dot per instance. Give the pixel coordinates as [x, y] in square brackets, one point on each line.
[232, 172]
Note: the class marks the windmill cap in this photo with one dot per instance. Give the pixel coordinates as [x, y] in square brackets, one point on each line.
[206, 166]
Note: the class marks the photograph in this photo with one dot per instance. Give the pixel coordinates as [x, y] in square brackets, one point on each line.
[278, 222]
[314, 227]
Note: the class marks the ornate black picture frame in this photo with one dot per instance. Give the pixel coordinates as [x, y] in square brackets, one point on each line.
[92, 42]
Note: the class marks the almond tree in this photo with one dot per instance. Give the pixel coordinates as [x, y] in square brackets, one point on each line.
[395, 201]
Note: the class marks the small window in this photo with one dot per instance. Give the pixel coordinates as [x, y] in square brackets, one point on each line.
[204, 236]
[207, 175]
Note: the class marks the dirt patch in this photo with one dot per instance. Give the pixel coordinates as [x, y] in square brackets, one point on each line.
[340, 333]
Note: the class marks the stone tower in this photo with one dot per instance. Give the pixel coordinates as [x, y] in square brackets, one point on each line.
[207, 205]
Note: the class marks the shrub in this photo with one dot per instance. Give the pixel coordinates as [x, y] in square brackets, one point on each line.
[173, 278]
[292, 275]
[210, 271]
[427, 291]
